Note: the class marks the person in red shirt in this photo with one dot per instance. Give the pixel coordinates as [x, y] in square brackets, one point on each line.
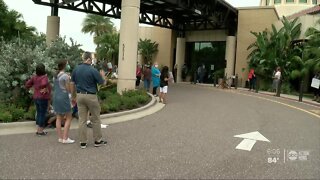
[138, 74]
[252, 80]
[41, 96]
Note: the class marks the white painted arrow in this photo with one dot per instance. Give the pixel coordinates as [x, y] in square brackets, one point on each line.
[249, 140]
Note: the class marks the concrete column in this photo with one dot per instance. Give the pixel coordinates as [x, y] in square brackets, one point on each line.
[263, 2]
[309, 2]
[271, 2]
[53, 28]
[230, 55]
[296, 1]
[128, 44]
[180, 56]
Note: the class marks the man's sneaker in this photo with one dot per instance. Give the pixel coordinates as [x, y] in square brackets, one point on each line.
[67, 141]
[98, 144]
[89, 124]
[104, 125]
[42, 133]
[83, 145]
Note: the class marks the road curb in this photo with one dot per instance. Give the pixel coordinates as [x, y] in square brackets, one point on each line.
[29, 126]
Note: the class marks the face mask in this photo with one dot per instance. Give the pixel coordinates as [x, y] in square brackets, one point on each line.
[68, 67]
[94, 62]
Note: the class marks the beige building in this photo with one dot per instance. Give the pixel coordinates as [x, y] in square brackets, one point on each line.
[254, 19]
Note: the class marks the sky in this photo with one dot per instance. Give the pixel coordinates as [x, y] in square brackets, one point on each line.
[71, 21]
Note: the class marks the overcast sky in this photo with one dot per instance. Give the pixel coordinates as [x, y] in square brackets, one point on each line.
[71, 21]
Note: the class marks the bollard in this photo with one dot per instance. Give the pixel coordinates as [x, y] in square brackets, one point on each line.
[301, 91]
[257, 85]
[214, 80]
[236, 82]
[279, 88]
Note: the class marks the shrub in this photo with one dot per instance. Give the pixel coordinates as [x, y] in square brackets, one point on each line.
[104, 94]
[17, 113]
[105, 107]
[141, 99]
[114, 106]
[5, 116]
[129, 102]
[18, 60]
[285, 88]
[130, 93]
[30, 115]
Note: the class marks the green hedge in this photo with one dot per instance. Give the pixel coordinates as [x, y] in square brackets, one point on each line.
[11, 113]
[110, 102]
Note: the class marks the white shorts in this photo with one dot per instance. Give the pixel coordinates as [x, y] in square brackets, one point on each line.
[164, 89]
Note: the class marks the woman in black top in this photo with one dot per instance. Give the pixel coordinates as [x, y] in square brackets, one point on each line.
[164, 78]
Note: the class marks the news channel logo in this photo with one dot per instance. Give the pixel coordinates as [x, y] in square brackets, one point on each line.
[277, 155]
[298, 155]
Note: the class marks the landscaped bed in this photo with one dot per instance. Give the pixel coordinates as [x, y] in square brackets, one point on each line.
[110, 102]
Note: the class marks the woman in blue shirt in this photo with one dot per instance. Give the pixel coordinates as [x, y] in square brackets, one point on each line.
[155, 72]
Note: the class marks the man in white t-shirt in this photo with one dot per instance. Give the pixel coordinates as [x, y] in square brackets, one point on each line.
[277, 78]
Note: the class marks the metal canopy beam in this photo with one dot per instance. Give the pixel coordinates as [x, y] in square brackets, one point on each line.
[181, 15]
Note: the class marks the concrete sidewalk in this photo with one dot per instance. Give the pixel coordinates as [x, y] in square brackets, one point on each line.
[30, 127]
[285, 96]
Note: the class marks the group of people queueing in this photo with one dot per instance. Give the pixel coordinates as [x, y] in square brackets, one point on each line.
[153, 75]
[275, 83]
[81, 87]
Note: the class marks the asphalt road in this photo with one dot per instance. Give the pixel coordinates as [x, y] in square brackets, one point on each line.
[191, 138]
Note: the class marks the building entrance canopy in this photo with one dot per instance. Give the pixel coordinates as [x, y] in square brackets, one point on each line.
[181, 15]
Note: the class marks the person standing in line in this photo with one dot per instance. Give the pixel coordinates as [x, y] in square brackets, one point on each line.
[85, 78]
[155, 73]
[164, 78]
[316, 91]
[147, 77]
[41, 96]
[184, 72]
[62, 102]
[277, 79]
[274, 83]
[252, 80]
[138, 74]
[175, 73]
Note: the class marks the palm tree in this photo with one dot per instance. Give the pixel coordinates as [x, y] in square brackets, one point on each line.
[147, 49]
[12, 25]
[97, 25]
[109, 47]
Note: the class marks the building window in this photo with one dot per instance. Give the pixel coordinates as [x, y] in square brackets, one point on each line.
[314, 1]
[268, 2]
[277, 1]
[303, 1]
[290, 1]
